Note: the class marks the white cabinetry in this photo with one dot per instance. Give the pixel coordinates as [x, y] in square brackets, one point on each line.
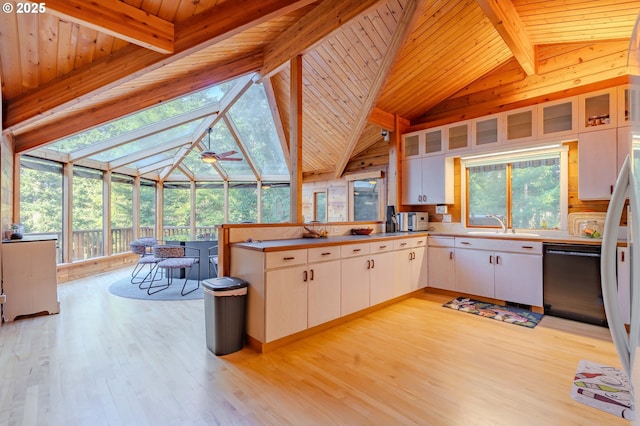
[427, 180]
[597, 164]
[509, 270]
[598, 110]
[285, 302]
[323, 278]
[29, 278]
[409, 265]
[380, 272]
[558, 118]
[355, 277]
[441, 261]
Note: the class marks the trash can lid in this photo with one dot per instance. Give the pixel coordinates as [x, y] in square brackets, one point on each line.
[224, 283]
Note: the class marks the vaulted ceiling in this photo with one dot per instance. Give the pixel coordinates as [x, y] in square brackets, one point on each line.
[367, 64]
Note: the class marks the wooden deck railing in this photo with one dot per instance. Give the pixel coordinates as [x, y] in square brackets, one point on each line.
[87, 244]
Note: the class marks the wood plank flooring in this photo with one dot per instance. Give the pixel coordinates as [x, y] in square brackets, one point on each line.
[106, 360]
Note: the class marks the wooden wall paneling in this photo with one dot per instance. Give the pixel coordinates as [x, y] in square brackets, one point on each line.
[48, 41]
[295, 134]
[66, 51]
[28, 50]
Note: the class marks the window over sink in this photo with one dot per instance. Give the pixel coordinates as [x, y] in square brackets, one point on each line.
[522, 189]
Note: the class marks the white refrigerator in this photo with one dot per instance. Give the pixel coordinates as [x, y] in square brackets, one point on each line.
[612, 389]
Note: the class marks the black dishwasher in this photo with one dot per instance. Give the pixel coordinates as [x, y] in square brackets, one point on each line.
[571, 282]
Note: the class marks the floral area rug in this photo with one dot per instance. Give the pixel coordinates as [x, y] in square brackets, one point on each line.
[605, 388]
[508, 314]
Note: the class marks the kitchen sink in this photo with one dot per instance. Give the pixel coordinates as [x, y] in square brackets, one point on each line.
[502, 234]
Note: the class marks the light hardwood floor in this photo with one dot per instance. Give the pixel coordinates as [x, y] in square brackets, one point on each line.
[106, 360]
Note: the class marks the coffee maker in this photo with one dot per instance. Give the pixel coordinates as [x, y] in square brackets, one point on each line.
[391, 224]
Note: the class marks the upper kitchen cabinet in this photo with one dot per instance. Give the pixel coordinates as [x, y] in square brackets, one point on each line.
[597, 164]
[427, 180]
[433, 141]
[521, 124]
[487, 131]
[628, 106]
[459, 136]
[558, 118]
[411, 145]
[597, 110]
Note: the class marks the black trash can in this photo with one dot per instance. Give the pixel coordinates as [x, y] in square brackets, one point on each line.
[225, 307]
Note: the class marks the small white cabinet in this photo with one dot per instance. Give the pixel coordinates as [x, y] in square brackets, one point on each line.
[427, 180]
[441, 263]
[355, 278]
[597, 164]
[380, 272]
[29, 277]
[474, 272]
[409, 265]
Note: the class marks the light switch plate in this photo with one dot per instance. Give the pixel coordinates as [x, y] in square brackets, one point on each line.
[446, 218]
[441, 209]
[3, 299]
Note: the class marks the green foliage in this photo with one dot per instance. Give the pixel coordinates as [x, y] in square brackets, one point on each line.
[41, 200]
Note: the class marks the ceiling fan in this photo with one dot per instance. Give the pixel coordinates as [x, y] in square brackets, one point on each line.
[209, 156]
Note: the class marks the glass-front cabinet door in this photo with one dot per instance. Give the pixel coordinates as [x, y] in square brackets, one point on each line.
[558, 118]
[487, 131]
[520, 124]
[433, 141]
[458, 136]
[411, 145]
[598, 110]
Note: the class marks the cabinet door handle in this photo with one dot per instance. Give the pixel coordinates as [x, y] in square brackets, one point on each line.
[305, 276]
[356, 250]
[288, 258]
[527, 247]
[491, 259]
[610, 189]
[497, 260]
[420, 242]
[326, 253]
[312, 274]
[368, 264]
[382, 247]
[622, 256]
[466, 243]
[403, 244]
[373, 263]
[420, 198]
[450, 255]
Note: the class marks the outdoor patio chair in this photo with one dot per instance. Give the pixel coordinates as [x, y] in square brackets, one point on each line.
[173, 257]
[213, 261]
[143, 248]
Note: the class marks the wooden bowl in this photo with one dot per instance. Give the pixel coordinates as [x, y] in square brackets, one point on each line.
[361, 231]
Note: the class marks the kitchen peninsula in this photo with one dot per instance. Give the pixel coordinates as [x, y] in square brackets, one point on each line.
[299, 286]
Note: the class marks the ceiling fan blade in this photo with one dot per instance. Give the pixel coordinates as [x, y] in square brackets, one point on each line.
[229, 159]
[226, 154]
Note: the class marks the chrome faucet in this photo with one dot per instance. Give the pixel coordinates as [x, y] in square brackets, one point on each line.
[502, 222]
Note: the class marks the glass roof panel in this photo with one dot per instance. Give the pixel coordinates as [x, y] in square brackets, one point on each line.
[254, 121]
[155, 158]
[223, 141]
[143, 118]
[150, 141]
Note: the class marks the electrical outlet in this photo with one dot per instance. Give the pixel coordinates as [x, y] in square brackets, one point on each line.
[3, 299]
[446, 218]
[441, 209]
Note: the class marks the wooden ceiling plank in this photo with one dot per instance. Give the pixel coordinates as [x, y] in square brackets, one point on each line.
[131, 62]
[310, 30]
[10, 49]
[504, 17]
[408, 18]
[118, 19]
[135, 101]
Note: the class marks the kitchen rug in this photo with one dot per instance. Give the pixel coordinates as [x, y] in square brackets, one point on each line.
[508, 314]
[124, 288]
[605, 388]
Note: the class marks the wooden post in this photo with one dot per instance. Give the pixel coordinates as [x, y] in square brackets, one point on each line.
[295, 137]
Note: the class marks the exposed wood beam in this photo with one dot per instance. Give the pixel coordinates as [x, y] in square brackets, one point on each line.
[295, 135]
[311, 29]
[82, 120]
[505, 19]
[383, 119]
[118, 19]
[405, 23]
[205, 29]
